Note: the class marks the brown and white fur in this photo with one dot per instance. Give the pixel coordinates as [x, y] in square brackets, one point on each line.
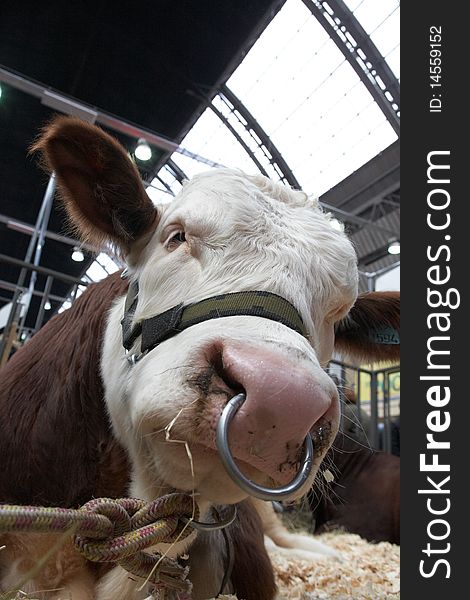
[149, 429]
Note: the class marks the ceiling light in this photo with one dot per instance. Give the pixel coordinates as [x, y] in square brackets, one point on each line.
[47, 306]
[77, 255]
[393, 247]
[143, 150]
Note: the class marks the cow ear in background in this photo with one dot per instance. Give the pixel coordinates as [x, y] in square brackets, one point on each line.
[370, 331]
[100, 185]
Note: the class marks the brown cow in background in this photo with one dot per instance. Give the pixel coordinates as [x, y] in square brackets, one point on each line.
[364, 497]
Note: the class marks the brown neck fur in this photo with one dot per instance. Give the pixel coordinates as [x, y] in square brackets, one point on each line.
[56, 444]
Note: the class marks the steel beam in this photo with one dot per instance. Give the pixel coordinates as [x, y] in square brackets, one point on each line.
[272, 153]
[41, 270]
[176, 171]
[41, 236]
[34, 246]
[239, 139]
[28, 229]
[361, 53]
[11, 287]
[71, 106]
[44, 299]
[369, 184]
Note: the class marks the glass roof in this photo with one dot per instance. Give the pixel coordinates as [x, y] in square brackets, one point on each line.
[381, 21]
[163, 187]
[101, 267]
[307, 98]
[210, 137]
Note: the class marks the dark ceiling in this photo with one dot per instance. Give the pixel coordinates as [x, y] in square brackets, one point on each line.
[146, 63]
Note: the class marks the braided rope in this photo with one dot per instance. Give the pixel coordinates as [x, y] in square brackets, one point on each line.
[116, 530]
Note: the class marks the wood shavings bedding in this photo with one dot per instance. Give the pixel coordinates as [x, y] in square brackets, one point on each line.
[366, 572]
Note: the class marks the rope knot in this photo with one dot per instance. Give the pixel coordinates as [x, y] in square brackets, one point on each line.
[137, 525]
[118, 531]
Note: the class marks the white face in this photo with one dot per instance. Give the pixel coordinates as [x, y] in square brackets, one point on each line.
[226, 232]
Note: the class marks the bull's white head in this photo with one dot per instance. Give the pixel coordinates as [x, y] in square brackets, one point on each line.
[225, 232]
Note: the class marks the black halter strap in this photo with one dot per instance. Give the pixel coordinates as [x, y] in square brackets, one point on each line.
[171, 322]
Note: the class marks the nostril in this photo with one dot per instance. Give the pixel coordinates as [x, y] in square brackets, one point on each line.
[216, 360]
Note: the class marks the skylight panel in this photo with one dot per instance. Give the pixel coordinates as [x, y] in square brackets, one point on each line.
[306, 96]
[270, 47]
[157, 192]
[332, 160]
[310, 101]
[386, 36]
[189, 166]
[169, 180]
[371, 13]
[210, 137]
[107, 263]
[393, 60]
[96, 272]
[101, 267]
[353, 4]
[163, 187]
[381, 20]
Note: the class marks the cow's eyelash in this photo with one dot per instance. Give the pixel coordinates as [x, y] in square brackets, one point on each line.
[179, 236]
[175, 239]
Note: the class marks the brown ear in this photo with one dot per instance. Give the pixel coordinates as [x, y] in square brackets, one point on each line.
[101, 187]
[370, 331]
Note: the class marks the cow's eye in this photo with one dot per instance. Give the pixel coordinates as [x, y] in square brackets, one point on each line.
[176, 239]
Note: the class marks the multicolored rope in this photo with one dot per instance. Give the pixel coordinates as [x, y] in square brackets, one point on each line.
[117, 530]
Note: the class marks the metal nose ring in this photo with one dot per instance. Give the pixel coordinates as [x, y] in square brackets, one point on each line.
[252, 488]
